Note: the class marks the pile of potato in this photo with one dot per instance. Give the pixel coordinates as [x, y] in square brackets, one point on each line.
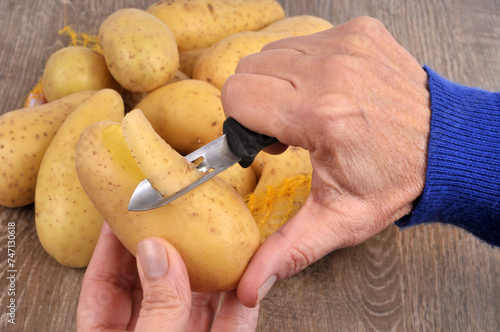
[169, 62]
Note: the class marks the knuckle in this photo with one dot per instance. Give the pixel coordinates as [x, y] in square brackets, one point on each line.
[370, 26]
[244, 63]
[159, 297]
[300, 258]
[357, 44]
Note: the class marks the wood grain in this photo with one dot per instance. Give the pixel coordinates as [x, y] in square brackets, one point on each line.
[427, 278]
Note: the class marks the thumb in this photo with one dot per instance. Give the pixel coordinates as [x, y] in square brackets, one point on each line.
[301, 241]
[166, 302]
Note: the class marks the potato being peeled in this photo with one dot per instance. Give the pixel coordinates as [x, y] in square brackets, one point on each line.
[74, 69]
[210, 226]
[140, 50]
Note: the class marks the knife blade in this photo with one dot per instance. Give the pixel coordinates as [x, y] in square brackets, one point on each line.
[237, 145]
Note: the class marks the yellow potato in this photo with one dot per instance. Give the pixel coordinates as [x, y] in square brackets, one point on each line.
[294, 161]
[281, 190]
[147, 148]
[188, 59]
[210, 226]
[25, 135]
[258, 164]
[140, 50]
[202, 23]
[220, 60]
[137, 127]
[241, 179]
[186, 114]
[67, 222]
[278, 203]
[74, 69]
[299, 25]
[131, 99]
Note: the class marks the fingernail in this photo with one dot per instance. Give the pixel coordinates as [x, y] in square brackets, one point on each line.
[153, 258]
[264, 289]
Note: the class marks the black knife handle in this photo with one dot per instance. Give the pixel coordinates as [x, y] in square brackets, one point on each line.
[243, 142]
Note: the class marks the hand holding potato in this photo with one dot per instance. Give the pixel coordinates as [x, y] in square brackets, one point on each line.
[161, 297]
[359, 103]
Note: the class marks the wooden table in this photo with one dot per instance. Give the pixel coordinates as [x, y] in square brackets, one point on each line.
[428, 278]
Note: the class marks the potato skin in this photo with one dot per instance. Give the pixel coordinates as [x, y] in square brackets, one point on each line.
[139, 49]
[202, 23]
[299, 25]
[243, 180]
[25, 135]
[67, 222]
[188, 59]
[220, 61]
[74, 69]
[294, 161]
[186, 114]
[211, 226]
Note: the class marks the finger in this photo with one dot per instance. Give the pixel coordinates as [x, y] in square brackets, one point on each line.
[204, 307]
[166, 302]
[305, 238]
[281, 63]
[276, 148]
[234, 316]
[360, 37]
[105, 298]
[261, 110]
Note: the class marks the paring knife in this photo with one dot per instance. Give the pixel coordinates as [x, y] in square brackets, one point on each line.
[237, 145]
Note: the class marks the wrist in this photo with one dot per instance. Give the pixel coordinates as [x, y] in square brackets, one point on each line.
[462, 184]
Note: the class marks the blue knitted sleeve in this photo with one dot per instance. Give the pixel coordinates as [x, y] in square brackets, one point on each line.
[462, 185]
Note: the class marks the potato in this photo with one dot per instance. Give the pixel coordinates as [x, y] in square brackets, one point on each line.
[131, 99]
[74, 69]
[220, 60]
[67, 222]
[299, 25]
[294, 161]
[188, 59]
[140, 51]
[187, 114]
[241, 179]
[25, 135]
[210, 226]
[278, 203]
[202, 23]
[282, 189]
[147, 151]
[258, 164]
